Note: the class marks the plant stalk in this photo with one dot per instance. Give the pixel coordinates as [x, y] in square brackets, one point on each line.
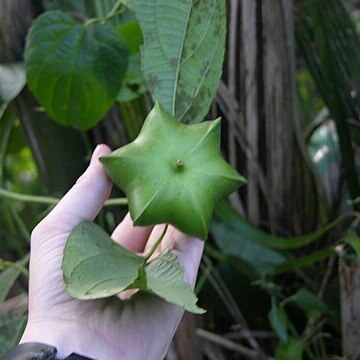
[48, 200]
[6, 264]
[155, 246]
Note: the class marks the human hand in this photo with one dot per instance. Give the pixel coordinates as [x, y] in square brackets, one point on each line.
[108, 328]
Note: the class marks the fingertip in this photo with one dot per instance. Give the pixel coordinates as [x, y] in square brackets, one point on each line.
[133, 238]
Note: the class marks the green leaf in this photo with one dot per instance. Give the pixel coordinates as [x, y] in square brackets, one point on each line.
[94, 266]
[229, 216]
[132, 34]
[183, 53]
[165, 278]
[134, 84]
[278, 320]
[304, 261]
[173, 173]
[354, 241]
[12, 81]
[241, 245]
[292, 349]
[74, 71]
[11, 328]
[9, 276]
[309, 303]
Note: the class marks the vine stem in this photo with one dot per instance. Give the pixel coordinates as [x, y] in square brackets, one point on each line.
[48, 200]
[116, 9]
[6, 264]
[156, 244]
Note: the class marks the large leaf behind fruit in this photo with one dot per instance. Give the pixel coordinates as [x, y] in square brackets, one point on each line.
[75, 71]
[184, 42]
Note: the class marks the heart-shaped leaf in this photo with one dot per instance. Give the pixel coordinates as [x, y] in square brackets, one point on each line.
[173, 173]
[94, 266]
[74, 70]
[183, 52]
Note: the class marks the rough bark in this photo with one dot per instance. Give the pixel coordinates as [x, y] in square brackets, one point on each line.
[349, 274]
[16, 17]
[258, 99]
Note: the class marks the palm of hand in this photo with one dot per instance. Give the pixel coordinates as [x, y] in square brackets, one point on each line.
[101, 329]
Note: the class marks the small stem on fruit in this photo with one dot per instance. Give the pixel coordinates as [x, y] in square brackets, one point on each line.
[179, 163]
[155, 246]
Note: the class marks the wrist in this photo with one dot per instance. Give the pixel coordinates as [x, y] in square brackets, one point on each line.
[64, 337]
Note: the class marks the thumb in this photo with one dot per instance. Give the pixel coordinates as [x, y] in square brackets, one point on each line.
[83, 201]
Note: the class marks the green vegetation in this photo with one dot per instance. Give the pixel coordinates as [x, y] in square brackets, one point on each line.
[283, 251]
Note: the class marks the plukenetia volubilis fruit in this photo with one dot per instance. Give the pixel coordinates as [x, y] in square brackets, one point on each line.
[173, 172]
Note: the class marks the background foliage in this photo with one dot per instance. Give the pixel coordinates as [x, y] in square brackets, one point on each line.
[273, 271]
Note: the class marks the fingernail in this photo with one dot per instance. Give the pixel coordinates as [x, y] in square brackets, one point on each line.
[95, 154]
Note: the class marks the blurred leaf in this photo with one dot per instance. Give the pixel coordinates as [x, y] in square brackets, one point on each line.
[305, 260]
[354, 241]
[53, 148]
[241, 245]
[12, 81]
[229, 216]
[6, 122]
[134, 84]
[292, 349]
[94, 266]
[84, 7]
[309, 302]
[132, 34]
[75, 71]
[183, 53]
[331, 46]
[11, 328]
[278, 320]
[9, 276]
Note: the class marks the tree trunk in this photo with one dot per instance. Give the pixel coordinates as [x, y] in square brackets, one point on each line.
[349, 274]
[258, 99]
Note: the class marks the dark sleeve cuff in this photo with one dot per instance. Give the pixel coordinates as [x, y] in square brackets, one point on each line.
[36, 351]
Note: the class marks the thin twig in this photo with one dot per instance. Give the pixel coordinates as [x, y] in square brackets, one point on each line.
[227, 344]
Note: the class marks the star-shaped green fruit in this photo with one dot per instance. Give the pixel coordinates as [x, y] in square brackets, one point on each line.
[173, 173]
